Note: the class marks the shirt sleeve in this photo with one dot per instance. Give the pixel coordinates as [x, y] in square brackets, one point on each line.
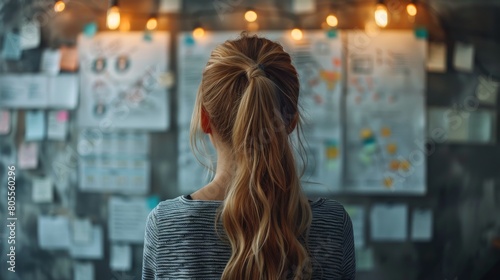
[150, 247]
[349, 261]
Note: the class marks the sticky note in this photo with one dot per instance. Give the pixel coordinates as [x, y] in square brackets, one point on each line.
[404, 165]
[53, 232]
[94, 250]
[364, 259]
[487, 90]
[69, 58]
[82, 231]
[28, 155]
[30, 35]
[391, 148]
[436, 58]
[11, 46]
[385, 131]
[365, 133]
[42, 191]
[394, 165]
[57, 127]
[4, 122]
[35, 125]
[464, 57]
[388, 182]
[90, 29]
[388, 222]
[83, 271]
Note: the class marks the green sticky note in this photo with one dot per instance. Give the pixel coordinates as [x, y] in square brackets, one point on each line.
[152, 201]
[421, 33]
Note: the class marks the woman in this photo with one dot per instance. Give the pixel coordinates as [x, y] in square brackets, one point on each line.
[265, 227]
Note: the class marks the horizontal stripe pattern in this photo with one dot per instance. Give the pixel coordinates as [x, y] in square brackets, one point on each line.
[180, 241]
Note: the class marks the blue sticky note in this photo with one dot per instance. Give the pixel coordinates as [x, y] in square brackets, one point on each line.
[148, 36]
[421, 33]
[90, 29]
[331, 33]
[12, 46]
[152, 201]
[35, 125]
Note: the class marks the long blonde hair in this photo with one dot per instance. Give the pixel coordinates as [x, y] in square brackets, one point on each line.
[250, 91]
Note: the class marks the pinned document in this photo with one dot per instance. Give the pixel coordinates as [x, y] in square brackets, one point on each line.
[57, 127]
[42, 191]
[436, 60]
[12, 46]
[389, 222]
[53, 232]
[421, 225]
[357, 214]
[121, 257]
[28, 155]
[35, 125]
[51, 61]
[91, 251]
[127, 219]
[83, 271]
[464, 57]
[82, 231]
[30, 35]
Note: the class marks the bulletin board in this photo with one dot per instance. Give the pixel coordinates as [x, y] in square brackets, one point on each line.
[119, 78]
[318, 59]
[385, 112]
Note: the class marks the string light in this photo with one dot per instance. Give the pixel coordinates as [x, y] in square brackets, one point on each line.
[296, 34]
[411, 9]
[381, 16]
[152, 23]
[198, 32]
[113, 17]
[250, 15]
[59, 6]
[332, 20]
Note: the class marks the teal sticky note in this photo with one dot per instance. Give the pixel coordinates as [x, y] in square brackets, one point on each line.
[148, 36]
[421, 33]
[189, 40]
[152, 201]
[331, 33]
[90, 29]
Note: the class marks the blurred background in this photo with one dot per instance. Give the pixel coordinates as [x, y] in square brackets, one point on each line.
[399, 115]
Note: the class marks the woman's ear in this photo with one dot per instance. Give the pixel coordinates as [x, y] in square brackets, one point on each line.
[205, 121]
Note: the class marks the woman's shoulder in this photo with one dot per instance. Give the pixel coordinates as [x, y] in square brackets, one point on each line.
[328, 209]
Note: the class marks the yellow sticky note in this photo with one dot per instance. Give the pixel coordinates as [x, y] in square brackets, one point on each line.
[332, 152]
[404, 165]
[365, 133]
[392, 148]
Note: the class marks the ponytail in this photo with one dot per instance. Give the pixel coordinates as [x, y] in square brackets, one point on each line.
[250, 90]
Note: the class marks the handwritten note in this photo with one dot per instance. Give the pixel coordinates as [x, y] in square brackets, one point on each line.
[464, 57]
[127, 219]
[12, 46]
[30, 35]
[51, 61]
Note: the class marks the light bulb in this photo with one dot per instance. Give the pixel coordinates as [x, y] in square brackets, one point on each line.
[152, 23]
[198, 32]
[113, 18]
[411, 9]
[250, 16]
[381, 17]
[296, 34]
[332, 20]
[59, 6]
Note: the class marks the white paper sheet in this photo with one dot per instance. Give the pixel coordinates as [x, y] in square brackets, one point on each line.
[436, 60]
[63, 91]
[421, 225]
[36, 126]
[463, 58]
[4, 122]
[57, 125]
[389, 222]
[119, 80]
[42, 191]
[28, 155]
[83, 271]
[127, 219]
[53, 232]
[51, 61]
[357, 214]
[30, 35]
[82, 231]
[121, 257]
[92, 251]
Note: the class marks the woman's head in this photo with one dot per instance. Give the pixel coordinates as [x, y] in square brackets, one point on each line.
[248, 100]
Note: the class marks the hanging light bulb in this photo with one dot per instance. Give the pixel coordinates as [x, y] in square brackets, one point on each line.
[113, 17]
[381, 16]
[411, 9]
[332, 20]
[296, 34]
[198, 32]
[250, 15]
[59, 6]
[152, 23]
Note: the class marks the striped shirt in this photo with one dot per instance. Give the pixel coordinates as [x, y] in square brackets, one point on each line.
[181, 243]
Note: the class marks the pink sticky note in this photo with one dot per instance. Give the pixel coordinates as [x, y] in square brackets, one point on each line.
[4, 122]
[62, 116]
[28, 155]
